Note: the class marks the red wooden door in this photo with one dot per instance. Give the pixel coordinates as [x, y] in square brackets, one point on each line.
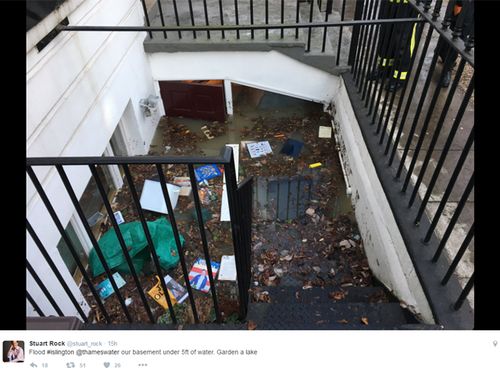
[195, 99]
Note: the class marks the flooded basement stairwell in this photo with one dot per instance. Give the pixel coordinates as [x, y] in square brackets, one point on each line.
[309, 268]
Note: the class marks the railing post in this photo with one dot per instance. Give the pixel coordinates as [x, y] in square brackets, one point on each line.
[358, 11]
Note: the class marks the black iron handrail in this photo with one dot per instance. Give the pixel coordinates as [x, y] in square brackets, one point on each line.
[240, 27]
[238, 224]
[375, 107]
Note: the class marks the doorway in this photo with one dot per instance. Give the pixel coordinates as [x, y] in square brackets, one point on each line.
[198, 99]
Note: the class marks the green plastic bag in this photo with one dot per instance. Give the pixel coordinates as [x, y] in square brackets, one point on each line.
[136, 242]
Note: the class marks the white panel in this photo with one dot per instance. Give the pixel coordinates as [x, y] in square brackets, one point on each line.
[384, 245]
[224, 211]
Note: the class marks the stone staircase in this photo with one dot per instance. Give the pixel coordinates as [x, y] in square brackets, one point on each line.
[357, 308]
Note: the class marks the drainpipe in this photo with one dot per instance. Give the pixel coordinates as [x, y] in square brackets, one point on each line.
[337, 140]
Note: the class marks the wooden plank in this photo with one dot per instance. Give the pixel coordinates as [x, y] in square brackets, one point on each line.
[293, 197]
[262, 197]
[272, 197]
[282, 198]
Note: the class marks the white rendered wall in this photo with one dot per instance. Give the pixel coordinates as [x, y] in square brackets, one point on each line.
[270, 71]
[383, 243]
[78, 89]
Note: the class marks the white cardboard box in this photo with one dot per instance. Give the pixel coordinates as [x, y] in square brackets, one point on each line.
[152, 196]
[227, 270]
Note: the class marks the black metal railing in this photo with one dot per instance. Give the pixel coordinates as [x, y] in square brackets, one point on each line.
[389, 97]
[179, 19]
[238, 200]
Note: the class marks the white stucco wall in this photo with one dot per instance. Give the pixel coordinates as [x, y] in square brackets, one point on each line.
[78, 88]
[270, 71]
[383, 243]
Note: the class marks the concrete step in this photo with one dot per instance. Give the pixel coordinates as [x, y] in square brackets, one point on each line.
[331, 294]
[326, 316]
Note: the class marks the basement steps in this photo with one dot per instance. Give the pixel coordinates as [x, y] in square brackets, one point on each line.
[293, 308]
[288, 45]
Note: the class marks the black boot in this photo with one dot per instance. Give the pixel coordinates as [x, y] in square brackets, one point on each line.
[393, 85]
[445, 82]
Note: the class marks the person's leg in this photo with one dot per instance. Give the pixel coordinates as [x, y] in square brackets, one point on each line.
[448, 65]
[405, 45]
[384, 55]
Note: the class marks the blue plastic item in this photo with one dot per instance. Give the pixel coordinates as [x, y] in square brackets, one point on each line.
[292, 147]
[207, 172]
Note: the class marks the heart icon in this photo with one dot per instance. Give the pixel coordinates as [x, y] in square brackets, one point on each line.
[106, 364]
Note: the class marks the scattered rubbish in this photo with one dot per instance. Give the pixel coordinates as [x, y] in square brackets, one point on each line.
[227, 268]
[136, 242]
[262, 297]
[204, 195]
[259, 149]
[119, 217]
[185, 184]
[128, 301]
[287, 258]
[325, 132]
[344, 244]
[94, 219]
[105, 288]
[336, 295]
[152, 198]
[316, 164]
[207, 172]
[198, 277]
[176, 292]
[344, 321]
[307, 287]
[278, 271]
[207, 132]
[310, 211]
[364, 320]
[292, 147]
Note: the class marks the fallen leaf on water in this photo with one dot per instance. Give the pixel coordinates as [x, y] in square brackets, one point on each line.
[251, 325]
[343, 321]
[287, 258]
[364, 320]
[306, 287]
